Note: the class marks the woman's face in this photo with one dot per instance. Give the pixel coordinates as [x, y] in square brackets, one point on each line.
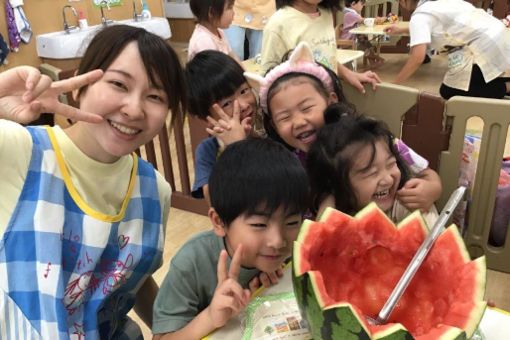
[297, 112]
[133, 108]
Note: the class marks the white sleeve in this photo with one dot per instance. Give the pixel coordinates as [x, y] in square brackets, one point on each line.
[420, 29]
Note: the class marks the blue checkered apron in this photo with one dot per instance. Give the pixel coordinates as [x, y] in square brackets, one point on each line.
[67, 271]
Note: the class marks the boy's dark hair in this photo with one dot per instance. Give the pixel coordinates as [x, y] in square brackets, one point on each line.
[106, 46]
[327, 4]
[257, 175]
[317, 84]
[202, 8]
[328, 164]
[211, 76]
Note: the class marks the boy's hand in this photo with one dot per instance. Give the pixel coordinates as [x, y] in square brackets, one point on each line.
[421, 192]
[229, 129]
[229, 298]
[25, 93]
[265, 279]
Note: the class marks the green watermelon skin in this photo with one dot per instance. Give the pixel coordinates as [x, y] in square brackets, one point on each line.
[329, 319]
[333, 323]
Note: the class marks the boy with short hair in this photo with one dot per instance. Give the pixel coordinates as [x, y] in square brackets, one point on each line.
[259, 192]
[219, 94]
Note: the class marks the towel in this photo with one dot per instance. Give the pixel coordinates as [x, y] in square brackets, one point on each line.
[12, 29]
[24, 29]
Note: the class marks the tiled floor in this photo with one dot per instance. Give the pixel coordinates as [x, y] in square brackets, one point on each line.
[182, 225]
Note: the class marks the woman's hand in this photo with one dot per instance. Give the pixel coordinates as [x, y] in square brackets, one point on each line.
[394, 29]
[416, 56]
[25, 93]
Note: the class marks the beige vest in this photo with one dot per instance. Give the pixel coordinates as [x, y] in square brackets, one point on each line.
[485, 40]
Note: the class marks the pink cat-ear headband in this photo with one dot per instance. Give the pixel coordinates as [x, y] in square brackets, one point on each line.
[300, 61]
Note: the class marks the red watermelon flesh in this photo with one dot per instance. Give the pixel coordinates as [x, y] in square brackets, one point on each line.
[360, 260]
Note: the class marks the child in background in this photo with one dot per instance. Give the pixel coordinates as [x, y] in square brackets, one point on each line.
[250, 17]
[312, 22]
[353, 162]
[81, 217]
[259, 192]
[294, 96]
[218, 93]
[212, 18]
[352, 18]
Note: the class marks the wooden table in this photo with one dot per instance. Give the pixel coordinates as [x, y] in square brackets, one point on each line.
[348, 56]
[378, 32]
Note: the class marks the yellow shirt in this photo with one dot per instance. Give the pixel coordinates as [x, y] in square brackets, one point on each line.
[97, 183]
[288, 26]
[253, 14]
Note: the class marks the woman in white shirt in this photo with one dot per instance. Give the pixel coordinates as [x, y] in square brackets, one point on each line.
[478, 47]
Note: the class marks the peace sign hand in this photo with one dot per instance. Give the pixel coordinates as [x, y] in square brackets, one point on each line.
[229, 297]
[229, 129]
[25, 93]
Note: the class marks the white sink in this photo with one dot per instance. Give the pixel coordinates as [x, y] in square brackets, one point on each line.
[156, 25]
[60, 45]
[179, 10]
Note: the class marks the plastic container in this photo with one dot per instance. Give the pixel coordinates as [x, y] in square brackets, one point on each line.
[146, 13]
[82, 21]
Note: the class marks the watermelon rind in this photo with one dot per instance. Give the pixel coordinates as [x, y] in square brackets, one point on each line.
[341, 320]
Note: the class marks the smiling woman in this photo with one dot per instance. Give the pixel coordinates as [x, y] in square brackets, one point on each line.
[87, 191]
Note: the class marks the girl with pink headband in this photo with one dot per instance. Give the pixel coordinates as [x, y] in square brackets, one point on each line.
[294, 96]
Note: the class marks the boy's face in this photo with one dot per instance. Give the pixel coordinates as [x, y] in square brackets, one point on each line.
[247, 103]
[267, 239]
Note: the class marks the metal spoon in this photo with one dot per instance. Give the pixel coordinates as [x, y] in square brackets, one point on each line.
[418, 258]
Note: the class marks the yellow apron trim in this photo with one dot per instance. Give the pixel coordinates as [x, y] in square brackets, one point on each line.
[76, 196]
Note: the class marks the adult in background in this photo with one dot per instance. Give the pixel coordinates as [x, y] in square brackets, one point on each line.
[249, 20]
[478, 47]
